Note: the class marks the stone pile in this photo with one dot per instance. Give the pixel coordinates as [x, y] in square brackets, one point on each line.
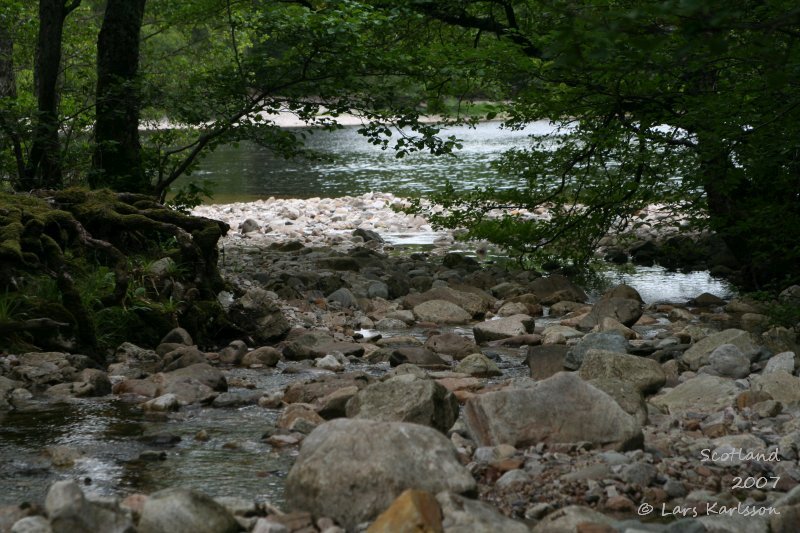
[430, 391]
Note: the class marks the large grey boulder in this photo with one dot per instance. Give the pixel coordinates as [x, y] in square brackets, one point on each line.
[70, 512]
[644, 374]
[264, 355]
[560, 409]
[422, 357]
[197, 383]
[351, 470]
[32, 524]
[312, 390]
[727, 360]
[474, 304]
[441, 312]
[503, 328]
[406, 398]
[610, 341]
[625, 310]
[463, 514]
[478, 365]
[43, 368]
[547, 360]
[315, 344]
[698, 354]
[89, 382]
[136, 357]
[626, 395]
[452, 344]
[623, 291]
[179, 510]
[785, 361]
[259, 316]
[701, 394]
[781, 385]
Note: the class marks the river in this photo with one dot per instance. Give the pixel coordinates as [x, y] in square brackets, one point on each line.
[111, 436]
[353, 166]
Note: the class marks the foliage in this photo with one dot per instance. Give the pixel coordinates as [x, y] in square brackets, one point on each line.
[67, 282]
[688, 104]
[191, 195]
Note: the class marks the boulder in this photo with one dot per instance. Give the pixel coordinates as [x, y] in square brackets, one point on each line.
[782, 386]
[180, 510]
[258, 315]
[183, 356]
[513, 308]
[478, 365]
[626, 395]
[503, 328]
[727, 360]
[697, 355]
[43, 368]
[456, 346]
[413, 511]
[623, 291]
[441, 312]
[611, 324]
[701, 394]
[265, 355]
[310, 391]
[31, 524]
[177, 336]
[610, 341]
[90, 383]
[352, 470]
[463, 514]
[560, 409]
[421, 357]
[406, 398]
[202, 373]
[546, 360]
[644, 374]
[344, 298]
[783, 361]
[232, 354]
[314, 345]
[623, 310]
[474, 304]
[70, 512]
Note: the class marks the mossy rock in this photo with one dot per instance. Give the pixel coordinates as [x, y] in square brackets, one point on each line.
[69, 235]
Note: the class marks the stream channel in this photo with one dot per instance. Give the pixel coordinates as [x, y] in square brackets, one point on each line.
[110, 436]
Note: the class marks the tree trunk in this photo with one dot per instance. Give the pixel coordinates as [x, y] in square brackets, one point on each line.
[117, 157]
[8, 90]
[44, 162]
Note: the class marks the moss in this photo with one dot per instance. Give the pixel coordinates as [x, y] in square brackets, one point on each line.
[76, 236]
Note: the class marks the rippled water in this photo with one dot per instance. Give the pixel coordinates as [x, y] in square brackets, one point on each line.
[250, 172]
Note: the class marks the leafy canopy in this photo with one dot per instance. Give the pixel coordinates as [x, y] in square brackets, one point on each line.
[686, 103]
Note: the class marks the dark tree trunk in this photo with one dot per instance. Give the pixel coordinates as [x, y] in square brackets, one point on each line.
[117, 157]
[44, 162]
[8, 90]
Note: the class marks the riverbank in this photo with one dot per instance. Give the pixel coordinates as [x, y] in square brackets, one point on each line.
[373, 368]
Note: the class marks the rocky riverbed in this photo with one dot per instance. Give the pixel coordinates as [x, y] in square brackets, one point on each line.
[427, 390]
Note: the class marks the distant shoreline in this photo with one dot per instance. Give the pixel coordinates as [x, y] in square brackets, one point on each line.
[287, 119]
